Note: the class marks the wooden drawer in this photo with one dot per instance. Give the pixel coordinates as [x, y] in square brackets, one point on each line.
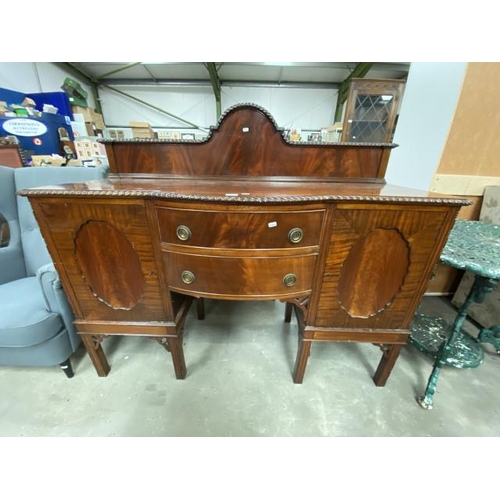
[236, 277]
[247, 230]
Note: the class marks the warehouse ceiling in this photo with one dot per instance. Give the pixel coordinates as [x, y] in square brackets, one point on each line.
[294, 74]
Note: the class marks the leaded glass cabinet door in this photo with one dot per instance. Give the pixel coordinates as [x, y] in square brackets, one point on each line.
[371, 110]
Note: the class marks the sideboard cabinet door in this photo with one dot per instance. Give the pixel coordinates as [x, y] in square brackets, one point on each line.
[379, 260]
[105, 255]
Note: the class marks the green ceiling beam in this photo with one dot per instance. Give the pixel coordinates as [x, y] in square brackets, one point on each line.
[149, 105]
[122, 68]
[214, 78]
[359, 71]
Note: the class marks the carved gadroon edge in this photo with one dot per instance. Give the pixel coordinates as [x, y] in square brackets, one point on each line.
[134, 193]
[236, 107]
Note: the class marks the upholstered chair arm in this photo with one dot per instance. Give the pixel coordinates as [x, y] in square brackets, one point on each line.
[54, 296]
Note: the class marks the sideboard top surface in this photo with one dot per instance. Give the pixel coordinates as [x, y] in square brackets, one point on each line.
[249, 191]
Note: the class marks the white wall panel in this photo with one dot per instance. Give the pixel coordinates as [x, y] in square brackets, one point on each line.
[19, 76]
[194, 104]
[30, 77]
[427, 110]
[307, 109]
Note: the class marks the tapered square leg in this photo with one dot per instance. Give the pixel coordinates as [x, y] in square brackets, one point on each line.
[301, 361]
[200, 307]
[96, 354]
[177, 352]
[386, 364]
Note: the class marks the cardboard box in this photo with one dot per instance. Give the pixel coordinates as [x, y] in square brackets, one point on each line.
[143, 133]
[89, 116]
[51, 160]
[82, 111]
[28, 103]
[142, 130]
[139, 125]
[97, 119]
[91, 129]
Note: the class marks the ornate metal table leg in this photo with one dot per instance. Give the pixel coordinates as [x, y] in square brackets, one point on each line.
[480, 288]
[491, 336]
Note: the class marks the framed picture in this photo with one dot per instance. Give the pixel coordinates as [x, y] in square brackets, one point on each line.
[187, 137]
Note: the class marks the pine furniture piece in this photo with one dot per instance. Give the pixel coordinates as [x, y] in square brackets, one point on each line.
[244, 215]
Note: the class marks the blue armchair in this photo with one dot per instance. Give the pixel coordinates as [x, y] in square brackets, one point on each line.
[36, 321]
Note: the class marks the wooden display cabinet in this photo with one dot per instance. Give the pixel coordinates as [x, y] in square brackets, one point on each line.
[371, 110]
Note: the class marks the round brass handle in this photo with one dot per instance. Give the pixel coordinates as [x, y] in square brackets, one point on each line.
[188, 277]
[289, 279]
[183, 233]
[295, 235]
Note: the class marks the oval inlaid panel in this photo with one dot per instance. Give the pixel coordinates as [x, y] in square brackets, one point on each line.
[373, 272]
[110, 265]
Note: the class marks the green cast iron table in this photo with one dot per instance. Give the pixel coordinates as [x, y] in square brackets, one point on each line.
[472, 246]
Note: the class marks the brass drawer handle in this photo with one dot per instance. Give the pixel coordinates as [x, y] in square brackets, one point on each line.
[295, 235]
[188, 277]
[183, 233]
[289, 279]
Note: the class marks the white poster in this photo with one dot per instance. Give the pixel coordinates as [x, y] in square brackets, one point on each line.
[24, 127]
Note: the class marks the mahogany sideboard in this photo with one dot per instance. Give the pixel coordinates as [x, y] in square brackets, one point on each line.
[244, 215]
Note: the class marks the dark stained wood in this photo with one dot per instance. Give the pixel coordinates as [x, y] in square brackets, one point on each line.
[66, 220]
[248, 230]
[240, 278]
[303, 353]
[247, 143]
[365, 118]
[110, 265]
[386, 365]
[180, 190]
[361, 267]
[11, 155]
[200, 308]
[97, 355]
[373, 272]
[420, 228]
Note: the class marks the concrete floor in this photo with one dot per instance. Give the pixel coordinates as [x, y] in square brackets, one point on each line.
[240, 360]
